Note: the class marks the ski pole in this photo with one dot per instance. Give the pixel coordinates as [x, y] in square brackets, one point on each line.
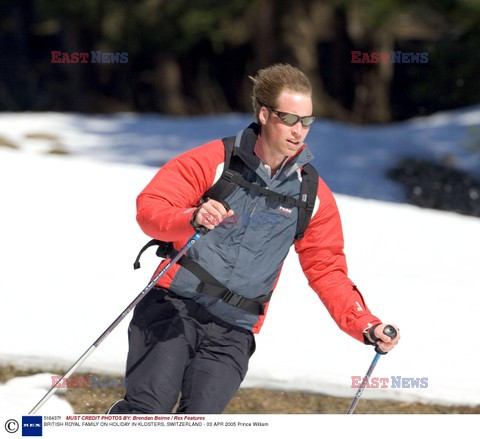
[392, 333]
[132, 305]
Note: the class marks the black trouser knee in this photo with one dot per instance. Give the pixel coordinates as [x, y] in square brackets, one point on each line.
[177, 347]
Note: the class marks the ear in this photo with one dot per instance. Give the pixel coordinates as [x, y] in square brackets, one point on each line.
[263, 115]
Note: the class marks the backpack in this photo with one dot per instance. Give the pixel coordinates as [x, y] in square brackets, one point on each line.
[230, 179]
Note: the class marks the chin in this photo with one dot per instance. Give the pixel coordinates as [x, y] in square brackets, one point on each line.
[291, 150]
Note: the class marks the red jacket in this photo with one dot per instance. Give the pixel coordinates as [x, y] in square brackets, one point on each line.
[166, 205]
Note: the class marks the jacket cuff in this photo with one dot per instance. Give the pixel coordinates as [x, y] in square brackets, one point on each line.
[367, 333]
[198, 228]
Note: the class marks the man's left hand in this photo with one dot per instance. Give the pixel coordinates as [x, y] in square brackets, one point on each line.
[386, 344]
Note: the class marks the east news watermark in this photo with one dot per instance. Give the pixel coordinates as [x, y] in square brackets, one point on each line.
[91, 382]
[392, 382]
[245, 219]
[395, 57]
[93, 57]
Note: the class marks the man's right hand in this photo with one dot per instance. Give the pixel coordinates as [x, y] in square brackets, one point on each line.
[211, 214]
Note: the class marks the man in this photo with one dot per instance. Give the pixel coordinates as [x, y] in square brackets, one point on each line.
[193, 333]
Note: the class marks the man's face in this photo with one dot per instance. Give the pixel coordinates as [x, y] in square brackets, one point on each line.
[281, 138]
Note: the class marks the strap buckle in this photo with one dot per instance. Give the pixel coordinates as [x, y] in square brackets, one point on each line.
[228, 176]
[232, 298]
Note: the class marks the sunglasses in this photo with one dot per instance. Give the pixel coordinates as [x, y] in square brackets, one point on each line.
[289, 118]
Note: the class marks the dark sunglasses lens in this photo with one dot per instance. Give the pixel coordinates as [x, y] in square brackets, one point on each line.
[290, 119]
[307, 121]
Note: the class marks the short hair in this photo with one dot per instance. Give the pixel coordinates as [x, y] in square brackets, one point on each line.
[269, 82]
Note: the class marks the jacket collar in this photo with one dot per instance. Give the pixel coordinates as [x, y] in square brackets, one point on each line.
[244, 146]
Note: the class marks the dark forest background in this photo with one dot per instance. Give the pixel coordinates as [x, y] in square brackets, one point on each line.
[190, 57]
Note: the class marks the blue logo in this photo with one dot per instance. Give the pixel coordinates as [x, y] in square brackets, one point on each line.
[31, 426]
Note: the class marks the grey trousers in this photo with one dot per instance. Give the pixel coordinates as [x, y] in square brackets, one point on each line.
[176, 347]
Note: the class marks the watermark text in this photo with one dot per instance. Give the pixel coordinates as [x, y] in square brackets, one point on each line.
[94, 57]
[396, 57]
[393, 382]
[93, 382]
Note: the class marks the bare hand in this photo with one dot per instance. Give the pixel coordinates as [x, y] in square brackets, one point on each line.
[211, 214]
[386, 343]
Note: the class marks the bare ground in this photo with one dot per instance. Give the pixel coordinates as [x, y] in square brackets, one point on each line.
[251, 401]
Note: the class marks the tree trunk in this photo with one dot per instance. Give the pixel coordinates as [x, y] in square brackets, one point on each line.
[210, 96]
[168, 85]
[75, 98]
[299, 33]
[264, 34]
[372, 94]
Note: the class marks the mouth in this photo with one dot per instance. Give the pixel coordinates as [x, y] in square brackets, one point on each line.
[293, 145]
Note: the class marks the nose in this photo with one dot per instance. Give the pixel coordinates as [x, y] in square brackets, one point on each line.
[297, 129]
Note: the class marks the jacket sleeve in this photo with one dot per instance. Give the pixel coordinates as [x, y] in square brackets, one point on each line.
[166, 205]
[323, 261]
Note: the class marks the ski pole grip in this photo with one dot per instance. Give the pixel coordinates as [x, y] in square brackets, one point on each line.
[391, 332]
[200, 228]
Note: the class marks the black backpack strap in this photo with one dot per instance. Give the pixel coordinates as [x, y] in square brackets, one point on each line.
[308, 194]
[165, 250]
[271, 196]
[231, 178]
[223, 188]
[209, 284]
[214, 288]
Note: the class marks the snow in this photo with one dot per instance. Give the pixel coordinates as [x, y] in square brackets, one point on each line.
[20, 389]
[68, 240]
[344, 154]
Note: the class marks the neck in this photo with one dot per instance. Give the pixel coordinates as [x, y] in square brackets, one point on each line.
[267, 156]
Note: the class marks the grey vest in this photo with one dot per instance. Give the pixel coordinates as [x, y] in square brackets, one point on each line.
[246, 252]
